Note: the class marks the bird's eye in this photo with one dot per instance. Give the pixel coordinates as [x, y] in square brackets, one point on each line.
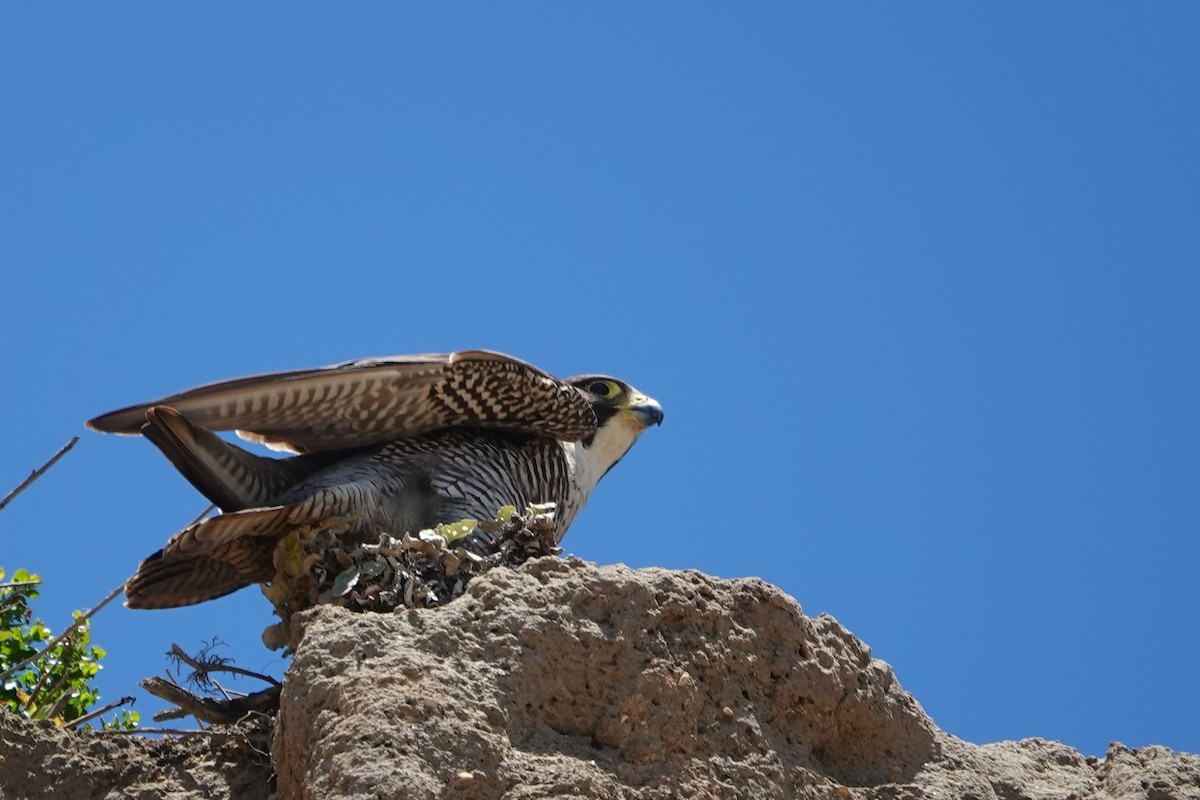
[602, 388]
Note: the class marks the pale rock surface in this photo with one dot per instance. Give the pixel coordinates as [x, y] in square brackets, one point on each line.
[562, 679]
[40, 760]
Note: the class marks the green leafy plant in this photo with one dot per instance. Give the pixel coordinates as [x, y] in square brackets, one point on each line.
[45, 678]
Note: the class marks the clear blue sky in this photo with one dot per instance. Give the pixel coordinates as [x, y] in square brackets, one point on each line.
[917, 286]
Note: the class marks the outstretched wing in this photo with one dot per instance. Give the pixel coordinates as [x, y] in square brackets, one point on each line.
[375, 400]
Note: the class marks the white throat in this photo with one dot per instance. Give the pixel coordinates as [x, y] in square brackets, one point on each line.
[589, 464]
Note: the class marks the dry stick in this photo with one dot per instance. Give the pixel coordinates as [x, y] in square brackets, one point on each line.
[229, 694]
[201, 515]
[41, 684]
[172, 731]
[37, 473]
[59, 706]
[19, 584]
[203, 668]
[50, 645]
[73, 724]
[206, 709]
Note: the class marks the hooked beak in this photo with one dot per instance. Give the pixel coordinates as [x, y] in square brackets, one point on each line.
[647, 411]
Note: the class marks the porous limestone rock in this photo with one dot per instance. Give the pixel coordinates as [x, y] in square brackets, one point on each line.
[559, 678]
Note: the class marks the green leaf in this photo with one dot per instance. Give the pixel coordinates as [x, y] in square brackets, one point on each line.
[345, 581]
[59, 678]
[451, 532]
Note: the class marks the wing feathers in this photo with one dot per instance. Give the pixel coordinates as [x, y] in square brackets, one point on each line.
[226, 474]
[170, 583]
[371, 401]
[223, 553]
[319, 411]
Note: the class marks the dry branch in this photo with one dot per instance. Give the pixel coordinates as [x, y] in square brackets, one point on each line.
[202, 668]
[37, 473]
[206, 709]
[75, 723]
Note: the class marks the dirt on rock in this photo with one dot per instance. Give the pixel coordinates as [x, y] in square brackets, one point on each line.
[41, 760]
[560, 678]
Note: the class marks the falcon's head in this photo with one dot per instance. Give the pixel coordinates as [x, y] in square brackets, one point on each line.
[622, 412]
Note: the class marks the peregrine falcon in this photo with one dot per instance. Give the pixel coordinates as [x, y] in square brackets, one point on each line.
[395, 444]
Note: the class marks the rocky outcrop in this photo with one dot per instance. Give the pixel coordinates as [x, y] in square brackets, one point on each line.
[563, 679]
[41, 760]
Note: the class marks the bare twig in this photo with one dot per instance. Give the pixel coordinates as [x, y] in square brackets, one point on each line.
[206, 709]
[228, 694]
[50, 645]
[73, 724]
[171, 731]
[19, 584]
[204, 668]
[59, 706]
[201, 515]
[41, 684]
[37, 473]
